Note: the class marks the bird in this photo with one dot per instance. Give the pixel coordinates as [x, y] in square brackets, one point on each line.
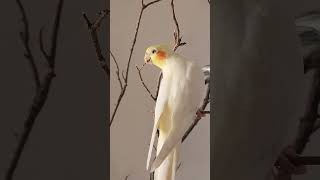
[176, 106]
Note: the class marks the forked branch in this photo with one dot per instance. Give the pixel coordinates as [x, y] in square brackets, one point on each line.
[93, 27]
[42, 88]
[125, 75]
[176, 34]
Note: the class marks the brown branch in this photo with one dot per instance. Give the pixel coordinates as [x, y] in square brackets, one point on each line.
[307, 122]
[41, 92]
[316, 126]
[126, 76]
[25, 38]
[178, 167]
[42, 49]
[118, 69]
[158, 84]
[93, 27]
[201, 109]
[126, 178]
[176, 33]
[308, 160]
[206, 112]
[145, 86]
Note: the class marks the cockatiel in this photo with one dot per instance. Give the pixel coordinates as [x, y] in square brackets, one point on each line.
[177, 104]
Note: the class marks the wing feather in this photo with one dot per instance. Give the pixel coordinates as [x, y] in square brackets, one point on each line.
[186, 91]
[159, 109]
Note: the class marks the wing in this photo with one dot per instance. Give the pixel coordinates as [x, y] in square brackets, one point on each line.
[184, 106]
[159, 109]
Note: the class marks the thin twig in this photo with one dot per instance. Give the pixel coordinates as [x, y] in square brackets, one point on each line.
[307, 123]
[176, 33]
[42, 49]
[41, 92]
[316, 126]
[158, 84]
[201, 109]
[25, 38]
[126, 178]
[118, 69]
[178, 167]
[308, 160]
[126, 76]
[205, 112]
[144, 85]
[93, 27]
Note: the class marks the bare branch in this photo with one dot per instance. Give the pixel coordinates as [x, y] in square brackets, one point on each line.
[144, 85]
[25, 37]
[307, 123]
[176, 33]
[198, 117]
[316, 126]
[158, 84]
[122, 74]
[205, 112]
[126, 178]
[308, 160]
[118, 70]
[125, 77]
[178, 167]
[148, 4]
[41, 93]
[42, 49]
[93, 27]
[54, 35]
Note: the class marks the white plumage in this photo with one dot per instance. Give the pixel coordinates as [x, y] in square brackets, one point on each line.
[178, 101]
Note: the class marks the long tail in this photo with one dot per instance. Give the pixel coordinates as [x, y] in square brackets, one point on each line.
[167, 170]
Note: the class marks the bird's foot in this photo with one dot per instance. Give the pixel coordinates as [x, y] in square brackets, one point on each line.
[287, 165]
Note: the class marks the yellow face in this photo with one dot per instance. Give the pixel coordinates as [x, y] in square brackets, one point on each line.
[157, 55]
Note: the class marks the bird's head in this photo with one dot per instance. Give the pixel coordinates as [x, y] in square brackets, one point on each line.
[157, 55]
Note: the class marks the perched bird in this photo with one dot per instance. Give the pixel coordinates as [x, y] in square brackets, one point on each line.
[177, 104]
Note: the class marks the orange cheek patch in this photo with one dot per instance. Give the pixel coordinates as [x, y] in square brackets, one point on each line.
[161, 55]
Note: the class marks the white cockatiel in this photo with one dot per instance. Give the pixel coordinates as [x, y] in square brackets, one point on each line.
[177, 104]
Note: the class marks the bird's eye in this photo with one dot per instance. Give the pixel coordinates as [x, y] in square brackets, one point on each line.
[154, 51]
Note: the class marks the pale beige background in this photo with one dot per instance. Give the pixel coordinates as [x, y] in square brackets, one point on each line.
[131, 131]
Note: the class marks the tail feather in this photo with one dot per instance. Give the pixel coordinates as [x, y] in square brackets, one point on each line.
[167, 169]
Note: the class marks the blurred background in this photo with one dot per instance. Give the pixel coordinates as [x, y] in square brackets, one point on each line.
[68, 140]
